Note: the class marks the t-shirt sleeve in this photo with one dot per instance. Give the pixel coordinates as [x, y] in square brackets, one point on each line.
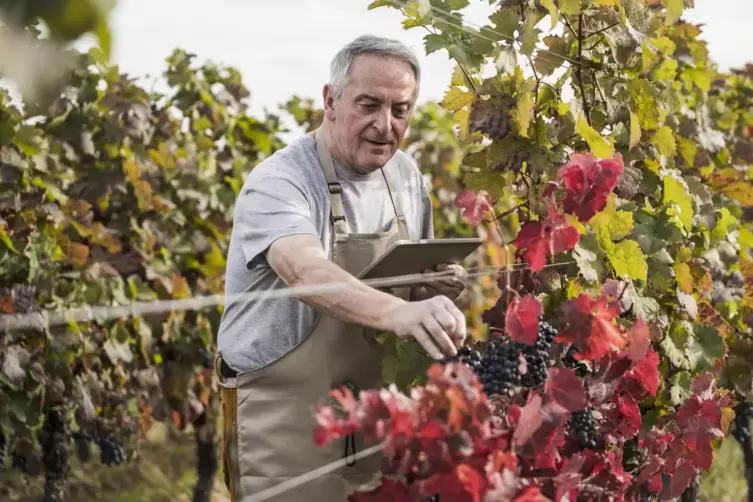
[272, 205]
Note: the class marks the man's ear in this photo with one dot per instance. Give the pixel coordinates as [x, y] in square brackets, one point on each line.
[329, 102]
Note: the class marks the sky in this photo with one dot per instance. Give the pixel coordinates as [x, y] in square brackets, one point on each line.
[283, 47]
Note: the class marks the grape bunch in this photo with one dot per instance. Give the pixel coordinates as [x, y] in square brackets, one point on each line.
[537, 356]
[584, 427]
[499, 367]
[743, 417]
[467, 356]
[111, 452]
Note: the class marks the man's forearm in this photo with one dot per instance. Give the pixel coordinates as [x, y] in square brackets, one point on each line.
[354, 303]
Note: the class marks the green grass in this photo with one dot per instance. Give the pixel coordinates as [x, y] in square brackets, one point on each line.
[725, 481]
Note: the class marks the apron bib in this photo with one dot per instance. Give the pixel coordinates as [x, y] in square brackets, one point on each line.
[268, 412]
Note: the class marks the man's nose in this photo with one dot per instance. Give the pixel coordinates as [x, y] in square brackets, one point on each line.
[383, 121]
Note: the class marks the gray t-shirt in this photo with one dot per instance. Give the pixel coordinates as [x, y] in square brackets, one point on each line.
[287, 194]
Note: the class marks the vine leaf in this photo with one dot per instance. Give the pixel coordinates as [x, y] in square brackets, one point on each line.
[539, 239]
[565, 388]
[588, 183]
[589, 324]
[676, 192]
[600, 146]
[522, 319]
[474, 205]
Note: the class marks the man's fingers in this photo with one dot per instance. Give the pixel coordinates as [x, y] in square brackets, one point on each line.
[429, 346]
[460, 332]
[439, 336]
[448, 322]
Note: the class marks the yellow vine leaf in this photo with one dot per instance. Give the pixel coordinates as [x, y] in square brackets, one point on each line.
[664, 141]
[612, 224]
[674, 11]
[628, 260]
[675, 192]
[684, 278]
[600, 146]
[524, 113]
[456, 98]
[553, 12]
[635, 130]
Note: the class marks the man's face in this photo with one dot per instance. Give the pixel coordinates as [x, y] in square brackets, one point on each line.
[370, 117]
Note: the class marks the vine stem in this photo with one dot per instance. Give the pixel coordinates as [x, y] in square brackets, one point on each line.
[579, 71]
[508, 212]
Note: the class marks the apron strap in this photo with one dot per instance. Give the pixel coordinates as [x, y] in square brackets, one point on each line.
[396, 203]
[335, 190]
[337, 213]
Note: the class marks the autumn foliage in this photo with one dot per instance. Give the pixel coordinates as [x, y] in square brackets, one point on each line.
[627, 213]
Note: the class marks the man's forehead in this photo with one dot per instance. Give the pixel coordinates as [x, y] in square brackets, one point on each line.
[379, 78]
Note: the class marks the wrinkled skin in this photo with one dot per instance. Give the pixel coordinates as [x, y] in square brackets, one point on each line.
[366, 124]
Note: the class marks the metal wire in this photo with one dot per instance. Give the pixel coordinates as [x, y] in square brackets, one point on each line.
[43, 319]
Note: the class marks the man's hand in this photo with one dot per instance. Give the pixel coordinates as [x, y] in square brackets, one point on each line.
[451, 287]
[437, 324]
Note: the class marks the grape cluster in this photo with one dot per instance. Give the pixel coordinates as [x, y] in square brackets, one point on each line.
[111, 453]
[53, 438]
[584, 427]
[537, 356]
[743, 417]
[467, 356]
[499, 367]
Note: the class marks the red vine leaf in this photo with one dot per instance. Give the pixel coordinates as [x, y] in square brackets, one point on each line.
[545, 238]
[474, 205]
[639, 341]
[565, 388]
[646, 373]
[590, 326]
[530, 420]
[522, 319]
[588, 183]
[464, 483]
[678, 482]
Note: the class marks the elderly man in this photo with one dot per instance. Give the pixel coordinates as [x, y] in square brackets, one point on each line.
[317, 212]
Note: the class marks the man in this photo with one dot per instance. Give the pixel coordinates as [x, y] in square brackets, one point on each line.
[317, 212]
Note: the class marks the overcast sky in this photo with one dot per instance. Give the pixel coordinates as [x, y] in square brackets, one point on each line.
[283, 47]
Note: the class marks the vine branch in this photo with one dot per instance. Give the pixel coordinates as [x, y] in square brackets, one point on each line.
[579, 70]
[601, 31]
[509, 212]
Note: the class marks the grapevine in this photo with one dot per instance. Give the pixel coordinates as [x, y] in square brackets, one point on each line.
[610, 368]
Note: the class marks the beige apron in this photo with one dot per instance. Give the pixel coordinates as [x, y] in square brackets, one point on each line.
[269, 411]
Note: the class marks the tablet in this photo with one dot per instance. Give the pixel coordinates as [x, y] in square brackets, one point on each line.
[406, 257]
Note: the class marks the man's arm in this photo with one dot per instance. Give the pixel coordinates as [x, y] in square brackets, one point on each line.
[436, 324]
[300, 261]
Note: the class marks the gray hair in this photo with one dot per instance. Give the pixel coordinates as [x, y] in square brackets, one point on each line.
[365, 45]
